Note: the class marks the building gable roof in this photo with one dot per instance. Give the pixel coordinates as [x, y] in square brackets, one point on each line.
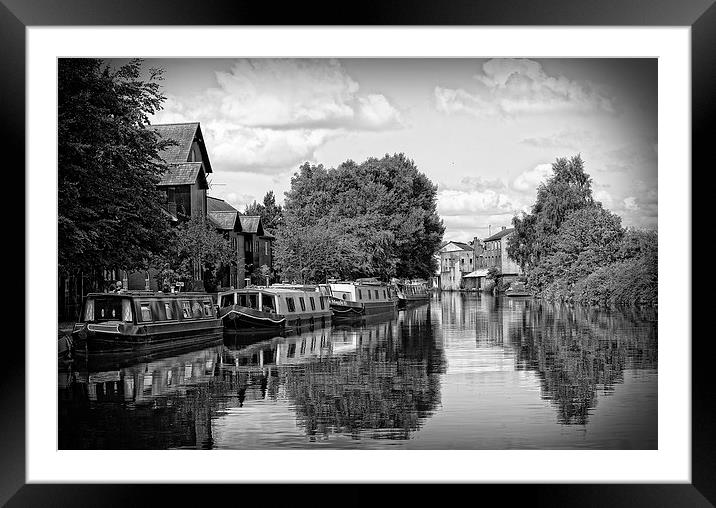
[184, 134]
[218, 205]
[459, 245]
[226, 221]
[251, 224]
[499, 235]
[186, 173]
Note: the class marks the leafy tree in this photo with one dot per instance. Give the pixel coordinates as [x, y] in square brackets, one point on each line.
[271, 214]
[377, 218]
[195, 243]
[568, 189]
[109, 210]
[587, 240]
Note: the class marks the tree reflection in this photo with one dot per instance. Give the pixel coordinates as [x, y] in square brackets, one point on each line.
[578, 352]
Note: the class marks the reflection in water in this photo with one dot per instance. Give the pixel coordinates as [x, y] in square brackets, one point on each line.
[465, 371]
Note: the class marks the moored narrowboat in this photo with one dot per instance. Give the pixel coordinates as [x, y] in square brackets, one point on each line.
[363, 297]
[132, 321]
[256, 308]
[411, 292]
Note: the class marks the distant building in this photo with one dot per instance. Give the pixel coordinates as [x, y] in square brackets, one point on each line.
[456, 260]
[492, 252]
[252, 245]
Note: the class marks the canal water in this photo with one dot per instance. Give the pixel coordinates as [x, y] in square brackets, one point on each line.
[464, 371]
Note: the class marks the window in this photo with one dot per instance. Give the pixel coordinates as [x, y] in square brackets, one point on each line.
[376, 294]
[267, 303]
[290, 304]
[227, 300]
[320, 300]
[368, 294]
[168, 311]
[196, 309]
[146, 311]
[208, 309]
[186, 309]
[313, 303]
[302, 302]
[385, 296]
[360, 295]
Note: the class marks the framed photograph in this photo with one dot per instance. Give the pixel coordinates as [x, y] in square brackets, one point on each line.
[420, 248]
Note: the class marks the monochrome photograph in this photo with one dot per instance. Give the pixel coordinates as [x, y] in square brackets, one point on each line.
[357, 253]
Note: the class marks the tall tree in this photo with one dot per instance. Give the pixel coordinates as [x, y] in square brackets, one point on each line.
[568, 189]
[377, 218]
[108, 166]
[194, 243]
[271, 214]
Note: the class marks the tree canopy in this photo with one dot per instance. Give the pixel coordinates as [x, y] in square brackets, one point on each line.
[271, 214]
[377, 218]
[573, 249]
[568, 189]
[194, 243]
[105, 154]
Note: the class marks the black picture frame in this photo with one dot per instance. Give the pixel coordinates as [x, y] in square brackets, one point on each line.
[16, 15]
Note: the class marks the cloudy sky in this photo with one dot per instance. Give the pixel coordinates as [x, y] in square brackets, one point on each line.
[485, 131]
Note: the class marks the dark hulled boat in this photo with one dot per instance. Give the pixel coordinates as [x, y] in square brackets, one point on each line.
[411, 292]
[364, 297]
[142, 321]
[272, 307]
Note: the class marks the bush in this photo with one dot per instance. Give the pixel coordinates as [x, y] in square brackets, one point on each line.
[634, 281]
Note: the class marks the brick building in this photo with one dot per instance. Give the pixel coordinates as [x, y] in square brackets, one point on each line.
[252, 245]
[456, 260]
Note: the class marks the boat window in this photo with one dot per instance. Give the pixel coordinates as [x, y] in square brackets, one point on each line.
[227, 300]
[146, 311]
[126, 310]
[313, 303]
[242, 300]
[385, 297]
[186, 309]
[105, 309]
[208, 309]
[196, 308]
[267, 303]
[360, 294]
[291, 305]
[376, 294]
[89, 310]
[254, 301]
[368, 294]
[302, 301]
[321, 301]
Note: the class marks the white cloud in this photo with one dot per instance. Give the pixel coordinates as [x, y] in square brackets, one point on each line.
[269, 115]
[630, 204]
[507, 87]
[456, 202]
[530, 180]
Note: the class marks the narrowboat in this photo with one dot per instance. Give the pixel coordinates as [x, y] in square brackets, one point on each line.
[131, 321]
[363, 297]
[411, 292]
[273, 307]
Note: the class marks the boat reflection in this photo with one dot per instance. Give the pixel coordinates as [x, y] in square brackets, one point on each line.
[380, 378]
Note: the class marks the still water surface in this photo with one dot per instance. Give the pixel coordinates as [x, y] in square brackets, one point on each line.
[465, 371]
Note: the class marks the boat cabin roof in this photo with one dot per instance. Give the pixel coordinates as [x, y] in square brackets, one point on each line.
[150, 294]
